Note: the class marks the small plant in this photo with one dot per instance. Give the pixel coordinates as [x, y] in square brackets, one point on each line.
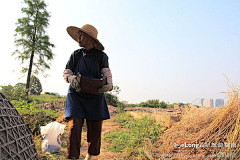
[45, 98]
[33, 116]
[111, 99]
[120, 107]
[153, 103]
[135, 135]
[122, 118]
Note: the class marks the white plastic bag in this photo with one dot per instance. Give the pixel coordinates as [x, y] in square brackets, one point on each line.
[52, 136]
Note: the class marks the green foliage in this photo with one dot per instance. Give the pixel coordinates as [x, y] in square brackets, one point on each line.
[31, 39]
[117, 140]
[35, 86]
[163, 105]
[49, 93]
[153, 103]
[54, 156]
[111, 99]
[137, 134]
[115, 90]
[182, 104]
[33, 116]
[120, 107]
[122, 118]
[22, 85]
[170, 105]
[7, 91]
[131, 105]
[45, 98]
[16, 92]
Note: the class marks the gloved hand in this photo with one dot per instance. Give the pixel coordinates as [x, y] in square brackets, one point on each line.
[75, 81]
[105, 88]
[67, 73]
[109, 86]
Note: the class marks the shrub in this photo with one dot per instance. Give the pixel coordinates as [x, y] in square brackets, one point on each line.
[16, 92]
[49, 93]
[35, 86]
[33, 116]
[111, 99]
[120, 107]
[153, 103]
[45, 98]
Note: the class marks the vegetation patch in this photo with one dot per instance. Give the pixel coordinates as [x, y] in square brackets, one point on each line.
[33, 116]
[136, 138]
[45, 98]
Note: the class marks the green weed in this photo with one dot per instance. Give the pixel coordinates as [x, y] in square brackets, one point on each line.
[33, 116]
[135, 135]
[45, 98]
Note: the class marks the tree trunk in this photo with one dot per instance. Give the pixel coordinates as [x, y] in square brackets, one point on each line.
[29, 73]
[31, 60]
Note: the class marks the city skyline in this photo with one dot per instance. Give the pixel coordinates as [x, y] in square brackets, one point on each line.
[210, 102]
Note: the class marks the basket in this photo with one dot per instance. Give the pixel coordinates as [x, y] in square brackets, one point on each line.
[15, 138]
[91, 86]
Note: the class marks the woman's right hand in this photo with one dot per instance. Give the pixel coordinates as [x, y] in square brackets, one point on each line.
[75, 82]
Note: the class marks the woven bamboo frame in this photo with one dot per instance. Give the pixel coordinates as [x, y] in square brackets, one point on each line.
[16, 142]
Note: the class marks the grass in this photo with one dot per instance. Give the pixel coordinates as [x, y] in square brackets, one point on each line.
[45, 98]
[34, 116]
[136, 138]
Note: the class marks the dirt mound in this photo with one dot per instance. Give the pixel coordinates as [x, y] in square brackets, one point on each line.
[58, 106]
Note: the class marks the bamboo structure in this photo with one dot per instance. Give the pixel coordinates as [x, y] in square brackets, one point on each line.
[15, 138]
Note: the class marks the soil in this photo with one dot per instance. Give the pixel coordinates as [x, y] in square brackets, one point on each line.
[108, 126]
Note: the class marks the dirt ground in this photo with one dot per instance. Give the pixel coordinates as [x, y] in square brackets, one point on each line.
[108, 126]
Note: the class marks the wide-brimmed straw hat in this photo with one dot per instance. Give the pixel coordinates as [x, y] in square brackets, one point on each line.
[88, 29]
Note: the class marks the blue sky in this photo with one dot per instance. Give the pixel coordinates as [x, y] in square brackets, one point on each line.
[175, 51]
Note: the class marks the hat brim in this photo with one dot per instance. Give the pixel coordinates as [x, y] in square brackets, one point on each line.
[74, 33]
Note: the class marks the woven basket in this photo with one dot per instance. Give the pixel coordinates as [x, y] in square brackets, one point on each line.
[16, 142]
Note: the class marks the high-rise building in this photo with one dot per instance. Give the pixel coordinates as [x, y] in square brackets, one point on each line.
[201, 101]
[208, 103]
[219, 102]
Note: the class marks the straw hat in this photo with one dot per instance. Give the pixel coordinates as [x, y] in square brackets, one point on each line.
[88, 29]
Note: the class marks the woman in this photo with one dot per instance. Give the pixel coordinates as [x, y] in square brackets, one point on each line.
[91, 62]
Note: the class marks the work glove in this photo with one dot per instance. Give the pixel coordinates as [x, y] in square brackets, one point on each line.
[105, 88]
[67, 73]
[109, 86]
[75, 81]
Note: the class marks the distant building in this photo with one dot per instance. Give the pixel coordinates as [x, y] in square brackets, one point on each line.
[201, 102]
[176, 106]
[219, 102]
[208, 103]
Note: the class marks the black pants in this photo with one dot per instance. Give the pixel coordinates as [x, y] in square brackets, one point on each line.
[94, 130]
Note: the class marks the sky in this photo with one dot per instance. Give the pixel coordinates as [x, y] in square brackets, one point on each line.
[174, 51]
